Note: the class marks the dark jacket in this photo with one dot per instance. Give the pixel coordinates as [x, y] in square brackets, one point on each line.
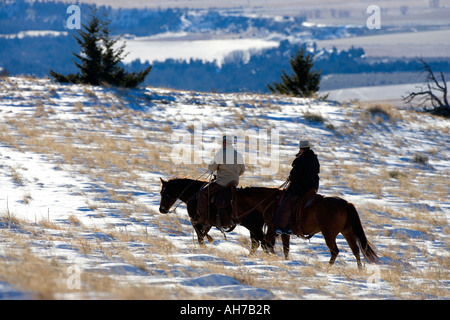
[304, 174]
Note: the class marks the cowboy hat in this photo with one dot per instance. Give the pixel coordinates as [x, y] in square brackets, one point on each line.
[304, 144]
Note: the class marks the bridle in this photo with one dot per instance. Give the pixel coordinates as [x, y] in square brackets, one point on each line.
[163, 191]
[174, 199]
[171, 198]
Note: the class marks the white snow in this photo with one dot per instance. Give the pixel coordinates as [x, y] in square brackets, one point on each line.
[208, 50]
[34, 33]
[375, 93]
[54, 193]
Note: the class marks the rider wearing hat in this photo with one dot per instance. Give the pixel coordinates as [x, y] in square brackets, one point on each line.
[229, 165]
[303, 177]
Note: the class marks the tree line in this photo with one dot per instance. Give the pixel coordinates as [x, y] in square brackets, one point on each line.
[100, 62]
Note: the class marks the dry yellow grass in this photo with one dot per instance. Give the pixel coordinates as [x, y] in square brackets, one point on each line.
[47, 276]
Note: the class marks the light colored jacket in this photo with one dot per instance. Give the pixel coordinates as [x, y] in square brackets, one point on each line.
[229, 165]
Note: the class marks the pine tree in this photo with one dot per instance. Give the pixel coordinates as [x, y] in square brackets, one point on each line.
[304, 82]
[110, 58]
[100, 61]
[91, 56]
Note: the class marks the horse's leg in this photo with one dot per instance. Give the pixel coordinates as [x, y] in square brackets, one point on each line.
[206, 230]
[285, 238]
[269, 239]
[351, 240]
[254, 223]
[254, 239]
[202, 232]
[330, 240]
[268, 247]
[255, 245]
[270, 234]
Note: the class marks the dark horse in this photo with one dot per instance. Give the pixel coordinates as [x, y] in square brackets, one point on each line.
[264, 200]
[328, 215]
[187, 191]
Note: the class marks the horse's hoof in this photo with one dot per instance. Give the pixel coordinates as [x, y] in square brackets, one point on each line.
[210, 239]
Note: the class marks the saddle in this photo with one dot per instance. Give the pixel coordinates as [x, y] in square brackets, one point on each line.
[223, 199]
[308, 200]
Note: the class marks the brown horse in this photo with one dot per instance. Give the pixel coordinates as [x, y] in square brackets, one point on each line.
[328, 215]
[184, 190]
[187, 191]
[331, 216]
[264, 200]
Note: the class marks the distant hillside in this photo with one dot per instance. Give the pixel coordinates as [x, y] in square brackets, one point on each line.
[24, 51]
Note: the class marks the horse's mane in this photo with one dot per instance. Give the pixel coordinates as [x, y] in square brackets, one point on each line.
[183, 179]
[184, 182]
[257, 188]
[178, 178]
[251, 190]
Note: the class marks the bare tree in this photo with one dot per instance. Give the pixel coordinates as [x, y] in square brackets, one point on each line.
[430, 95]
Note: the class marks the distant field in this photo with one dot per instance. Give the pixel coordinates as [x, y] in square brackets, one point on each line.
[148, 49]
[391, 94]
[397, 12]
[412, 44]
[325, 11]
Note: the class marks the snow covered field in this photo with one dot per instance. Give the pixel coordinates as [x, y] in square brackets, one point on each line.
[207, 50]
[79, 196]
[409, 44]
[392, 93]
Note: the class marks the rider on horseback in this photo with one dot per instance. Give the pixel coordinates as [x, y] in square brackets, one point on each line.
[229, 165]
[303, 177]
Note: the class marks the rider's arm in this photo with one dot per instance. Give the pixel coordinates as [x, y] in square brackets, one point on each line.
[297, 170]
[213, 166]
[242, 169]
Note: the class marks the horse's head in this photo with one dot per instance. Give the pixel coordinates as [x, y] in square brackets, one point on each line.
[167, 199]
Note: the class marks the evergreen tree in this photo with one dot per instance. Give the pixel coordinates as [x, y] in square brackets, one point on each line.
[111, 58]
[91, 52]
[99, 60]
[304, 81]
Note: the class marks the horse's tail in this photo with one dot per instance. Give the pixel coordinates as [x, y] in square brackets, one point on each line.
[361, 239]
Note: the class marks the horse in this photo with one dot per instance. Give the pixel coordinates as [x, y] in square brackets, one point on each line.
[264, 200]
[187, 191]
[184, 190]
[330, 216]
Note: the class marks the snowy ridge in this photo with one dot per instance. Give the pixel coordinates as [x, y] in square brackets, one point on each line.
[79, 195]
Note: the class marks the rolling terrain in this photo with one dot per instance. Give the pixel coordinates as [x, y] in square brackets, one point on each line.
[80, 170]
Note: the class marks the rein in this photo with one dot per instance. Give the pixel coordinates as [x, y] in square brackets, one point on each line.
[241, 215]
